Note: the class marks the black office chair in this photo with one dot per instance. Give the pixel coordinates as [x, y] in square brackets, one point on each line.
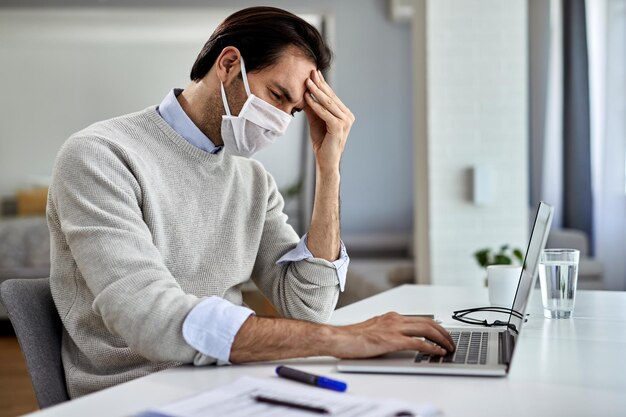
[38, 329]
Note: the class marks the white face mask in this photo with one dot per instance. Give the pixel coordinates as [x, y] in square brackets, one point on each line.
[257, 126]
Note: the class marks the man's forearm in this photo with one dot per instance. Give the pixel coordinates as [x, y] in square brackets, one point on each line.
[267, 339]
[324, 236]
[264, 339]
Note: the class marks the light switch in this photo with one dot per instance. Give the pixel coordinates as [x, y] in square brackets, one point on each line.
[481, 185]
[401, 11]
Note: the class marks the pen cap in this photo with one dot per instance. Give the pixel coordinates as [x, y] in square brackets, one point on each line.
[331, 384]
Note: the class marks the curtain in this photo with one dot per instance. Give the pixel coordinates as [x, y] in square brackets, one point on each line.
[578, 145]
[607, 74]
[577, 194]
[560, 122]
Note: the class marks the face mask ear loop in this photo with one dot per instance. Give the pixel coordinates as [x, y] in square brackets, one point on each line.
[244, 76]
[224, 99]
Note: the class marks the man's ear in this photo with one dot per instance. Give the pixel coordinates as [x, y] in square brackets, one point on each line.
[228, 64]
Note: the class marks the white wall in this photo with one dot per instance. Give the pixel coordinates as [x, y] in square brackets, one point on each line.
[474, 54]
[67, 69]
[371, 72]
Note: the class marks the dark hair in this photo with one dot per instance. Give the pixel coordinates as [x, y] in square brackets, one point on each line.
[261, 34]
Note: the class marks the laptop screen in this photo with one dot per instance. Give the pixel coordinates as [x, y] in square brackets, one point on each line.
[538, 238]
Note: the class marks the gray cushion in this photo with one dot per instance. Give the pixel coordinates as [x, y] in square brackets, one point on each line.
[38, 328]
[9, 273]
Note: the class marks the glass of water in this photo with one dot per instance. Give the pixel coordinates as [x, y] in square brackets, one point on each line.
[558, 275]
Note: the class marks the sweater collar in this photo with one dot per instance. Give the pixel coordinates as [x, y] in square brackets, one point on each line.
[172, 112]
[180, 141]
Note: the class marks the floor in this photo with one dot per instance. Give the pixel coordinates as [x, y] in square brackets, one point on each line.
[16, 392]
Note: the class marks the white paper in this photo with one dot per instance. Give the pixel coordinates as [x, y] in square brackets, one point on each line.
[237, 400]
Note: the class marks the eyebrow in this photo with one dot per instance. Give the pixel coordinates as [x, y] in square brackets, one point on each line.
[285, 93]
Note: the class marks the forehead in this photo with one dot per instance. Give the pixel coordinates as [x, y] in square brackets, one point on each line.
[291, 70]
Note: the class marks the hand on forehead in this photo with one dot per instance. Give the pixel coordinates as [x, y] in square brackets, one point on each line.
[284, 81]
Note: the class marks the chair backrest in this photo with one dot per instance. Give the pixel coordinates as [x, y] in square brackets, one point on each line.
[569, 238]
[38, 329]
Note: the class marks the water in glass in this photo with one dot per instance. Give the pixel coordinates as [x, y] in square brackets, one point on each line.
[558, 287]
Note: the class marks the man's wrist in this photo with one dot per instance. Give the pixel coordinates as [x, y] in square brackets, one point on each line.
[328, 173]
[330, 341]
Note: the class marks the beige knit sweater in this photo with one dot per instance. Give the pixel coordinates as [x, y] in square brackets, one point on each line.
[143, 226]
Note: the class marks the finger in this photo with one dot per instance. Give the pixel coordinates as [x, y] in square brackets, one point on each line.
[425, 346]
[443, 332]
[435, 336]
[432, 331]
[321, 111]
[318, 78]
[321, 82]
[310, 113]
[325, 100]
[314, 119]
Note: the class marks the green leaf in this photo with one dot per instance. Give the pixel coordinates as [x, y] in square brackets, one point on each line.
[519, 255]
[292, 191]
[482, 257]
[502, 260]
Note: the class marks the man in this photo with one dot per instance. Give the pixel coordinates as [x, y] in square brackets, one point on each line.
[158, 217]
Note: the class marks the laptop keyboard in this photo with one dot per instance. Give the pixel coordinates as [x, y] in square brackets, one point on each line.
[471, 349]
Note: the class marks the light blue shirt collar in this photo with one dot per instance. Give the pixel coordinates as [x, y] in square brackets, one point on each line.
[172, 112]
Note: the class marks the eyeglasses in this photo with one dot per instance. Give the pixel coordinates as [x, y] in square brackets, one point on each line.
[461, 315]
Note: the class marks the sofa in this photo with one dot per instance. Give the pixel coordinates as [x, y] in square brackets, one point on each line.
[24, 249]
[590, 270]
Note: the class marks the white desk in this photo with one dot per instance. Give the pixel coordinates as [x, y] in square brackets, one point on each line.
[573, 367]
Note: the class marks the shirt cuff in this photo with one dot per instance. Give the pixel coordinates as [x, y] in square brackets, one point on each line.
[301, 252]
[211, 326]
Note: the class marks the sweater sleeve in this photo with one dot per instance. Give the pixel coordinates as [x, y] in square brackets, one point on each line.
[98, 203]
[306, 289]
[302, 252]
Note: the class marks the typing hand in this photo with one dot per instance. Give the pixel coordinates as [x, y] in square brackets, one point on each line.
[391, 332]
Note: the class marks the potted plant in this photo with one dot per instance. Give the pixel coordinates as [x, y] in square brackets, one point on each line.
[505, 256]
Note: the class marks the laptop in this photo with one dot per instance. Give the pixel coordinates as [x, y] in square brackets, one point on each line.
[480, 351]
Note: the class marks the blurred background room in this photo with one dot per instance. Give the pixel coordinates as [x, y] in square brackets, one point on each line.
[469, 112]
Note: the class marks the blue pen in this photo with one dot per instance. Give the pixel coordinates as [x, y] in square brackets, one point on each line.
[318, 381]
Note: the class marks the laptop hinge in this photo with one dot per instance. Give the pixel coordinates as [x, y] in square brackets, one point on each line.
[506, 343]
